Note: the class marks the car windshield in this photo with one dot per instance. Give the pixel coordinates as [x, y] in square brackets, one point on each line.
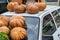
[32, 27]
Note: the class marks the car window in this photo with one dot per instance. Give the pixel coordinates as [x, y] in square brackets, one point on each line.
[56, 17]
[58, 10]
[48, 25]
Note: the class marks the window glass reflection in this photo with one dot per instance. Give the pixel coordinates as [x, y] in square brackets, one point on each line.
[56, 17]
[33, 24]
[48, 25]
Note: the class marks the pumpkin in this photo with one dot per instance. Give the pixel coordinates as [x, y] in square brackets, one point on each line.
[18, 33]
[4, 19]
[19, 9]
[17, 17]
[3, 36]
[4, 29]
[16, 23]
[40, 5]
[24, 5]
[32, 9]
[11, 6]
[2, 23]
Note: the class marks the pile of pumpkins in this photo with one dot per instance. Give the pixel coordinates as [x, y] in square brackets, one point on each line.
[12, 28]
[31, 8]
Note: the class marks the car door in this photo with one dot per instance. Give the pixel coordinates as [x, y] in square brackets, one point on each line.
[48, 27]
[56, 17]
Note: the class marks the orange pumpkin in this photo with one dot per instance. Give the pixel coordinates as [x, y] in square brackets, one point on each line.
[24, 5]
[2, 23]
[32, 9]
[40, 5]
[18, 33]
[11, 6]
[5, 20]
[16, 23]
[19, 9]
[17, 17]
[4, 29]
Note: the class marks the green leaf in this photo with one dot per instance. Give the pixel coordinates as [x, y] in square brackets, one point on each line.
[3, 36]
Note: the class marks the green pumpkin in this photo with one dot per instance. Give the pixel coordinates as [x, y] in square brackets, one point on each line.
[3, 36]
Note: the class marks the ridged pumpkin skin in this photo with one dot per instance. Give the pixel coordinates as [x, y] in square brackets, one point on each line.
[4, 29]
[19, 9]
[5, 20]
[11, 5]
[24, 5]
[2, 23]
[32, 9]
[40, 5]
[16, 23]
[18, 33]
[17, 17]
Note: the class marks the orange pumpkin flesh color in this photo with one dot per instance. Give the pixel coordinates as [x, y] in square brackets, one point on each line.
[2, 23]
[17, 21]
[40, 5]
[11, 6]
[5, 20]
[24, 5]
[4, 29]
[19, 9]
[18, 17]
[32, 9]
[18, 33]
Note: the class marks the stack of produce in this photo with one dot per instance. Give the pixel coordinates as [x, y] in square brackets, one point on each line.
[12, 27]
[31, 8]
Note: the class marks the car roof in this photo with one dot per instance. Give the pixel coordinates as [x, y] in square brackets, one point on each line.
[49, 7]
[49, 11]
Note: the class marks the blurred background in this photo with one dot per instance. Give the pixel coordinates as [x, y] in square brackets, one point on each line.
[3, 3]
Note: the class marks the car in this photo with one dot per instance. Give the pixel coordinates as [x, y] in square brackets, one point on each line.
[44, 25]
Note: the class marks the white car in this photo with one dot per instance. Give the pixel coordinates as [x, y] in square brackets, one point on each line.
[44, 25]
